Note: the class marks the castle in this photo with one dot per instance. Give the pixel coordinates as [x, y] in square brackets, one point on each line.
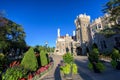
[85, 35]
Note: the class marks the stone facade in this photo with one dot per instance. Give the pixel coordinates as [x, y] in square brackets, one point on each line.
[104, 44]
[64, 44]
[80, 40]
[85, 35]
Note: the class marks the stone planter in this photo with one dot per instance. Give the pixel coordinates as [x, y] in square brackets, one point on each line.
[68, 76]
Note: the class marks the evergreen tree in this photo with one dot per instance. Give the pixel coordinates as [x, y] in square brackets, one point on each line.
[112, 7]
[30, 61]
[43, 58]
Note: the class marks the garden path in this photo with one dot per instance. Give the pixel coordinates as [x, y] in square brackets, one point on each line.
[54, 73]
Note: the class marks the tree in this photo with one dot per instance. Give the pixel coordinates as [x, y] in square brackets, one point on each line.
[113, 8]
[12, 35]
[30, 61]
[43, 58]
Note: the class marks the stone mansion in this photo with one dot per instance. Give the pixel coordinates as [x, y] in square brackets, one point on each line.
[85, 35]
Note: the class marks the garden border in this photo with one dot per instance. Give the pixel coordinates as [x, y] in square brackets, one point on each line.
[41, 75]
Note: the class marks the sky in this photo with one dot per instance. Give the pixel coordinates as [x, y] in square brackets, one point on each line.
[41, 18]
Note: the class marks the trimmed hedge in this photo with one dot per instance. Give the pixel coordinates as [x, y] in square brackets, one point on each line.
[30, 61]
[43, 58]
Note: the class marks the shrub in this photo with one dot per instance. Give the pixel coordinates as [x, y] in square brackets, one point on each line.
[14, 73]
[113, 63]
[29, 61]
[90, 66]
[43, 58]
[100, 66]
[66, 69]
[94, 55]
[74, 69]
[115, 55]
[68, 58]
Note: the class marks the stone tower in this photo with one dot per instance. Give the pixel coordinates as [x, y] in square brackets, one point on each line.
[82, 33]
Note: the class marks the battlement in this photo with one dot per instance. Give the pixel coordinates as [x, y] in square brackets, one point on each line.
[83, 16]
[81, 20]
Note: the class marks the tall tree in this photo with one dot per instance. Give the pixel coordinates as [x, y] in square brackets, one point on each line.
[12, 35]
[113, 8]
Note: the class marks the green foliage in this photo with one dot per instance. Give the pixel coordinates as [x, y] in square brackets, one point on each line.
[66, 69]
[74, 68]
[68, 58]
[94, 61]
[43, 58]
[112, 7]
[115, 55]
[38, 48]
[100, 66]
[30, 61]
[3, 61]
[113, 63]
[1, 56]
[69, 65]
[94, 55]
[11, 35]
[90, 66]
[14, 73]
[108, 32]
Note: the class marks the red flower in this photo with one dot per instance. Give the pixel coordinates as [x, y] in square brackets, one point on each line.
[30, 76]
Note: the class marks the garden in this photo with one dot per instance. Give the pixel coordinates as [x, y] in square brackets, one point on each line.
[32, 66]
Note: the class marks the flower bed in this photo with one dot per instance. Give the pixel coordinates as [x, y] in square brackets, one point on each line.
[38, 73]
[41, 71]
[28, 69]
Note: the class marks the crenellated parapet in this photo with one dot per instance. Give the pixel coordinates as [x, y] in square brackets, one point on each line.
[82, 20]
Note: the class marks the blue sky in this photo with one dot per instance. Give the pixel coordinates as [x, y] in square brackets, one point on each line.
[42, 18]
